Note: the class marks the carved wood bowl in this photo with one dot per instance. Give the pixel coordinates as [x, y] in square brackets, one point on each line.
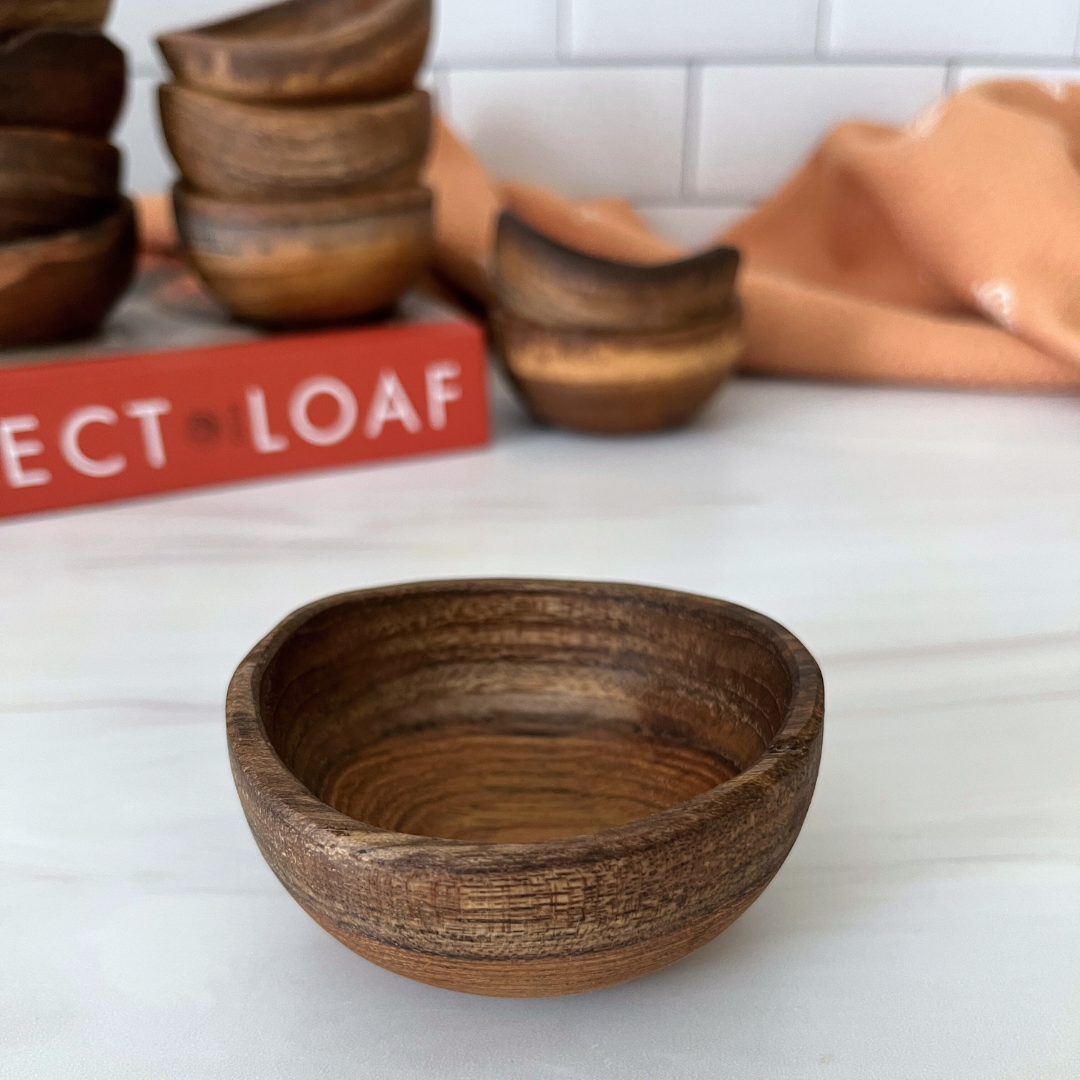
[544, 281]
[65, 79]
[236, 150]
[617, 383]
[24, 14]
[59, 287]
[283, 264]
[525, 788]
[52, 181]
[305, 50]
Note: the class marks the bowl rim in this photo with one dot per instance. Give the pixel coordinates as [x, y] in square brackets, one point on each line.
[382, 15]
[512, 230]
[254, 758]
[301, 213]
[407, 100]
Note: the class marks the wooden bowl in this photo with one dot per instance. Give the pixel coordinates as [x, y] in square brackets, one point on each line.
[239, 151]
[64, 79]
[311, 262]
[546, 282]
[60, 287]
[305, 50]
[525, 788]
[607, 383]
[51, 181]
[24, 14]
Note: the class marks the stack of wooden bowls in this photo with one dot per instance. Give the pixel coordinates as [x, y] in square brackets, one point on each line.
[301, 138]
[611, 347]
[67, 238]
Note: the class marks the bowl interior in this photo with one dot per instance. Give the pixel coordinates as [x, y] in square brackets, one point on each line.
[518, 715]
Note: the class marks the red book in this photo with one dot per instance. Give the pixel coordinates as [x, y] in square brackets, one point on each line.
[93, 428]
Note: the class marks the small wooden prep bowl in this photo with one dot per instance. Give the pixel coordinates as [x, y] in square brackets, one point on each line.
[24, 14]
[64, 79]
[546, 282]
[60, 287]
[305, 50]
[236, 150]
[611, 383]
[51, 181]
[525, 788]
[308, 262]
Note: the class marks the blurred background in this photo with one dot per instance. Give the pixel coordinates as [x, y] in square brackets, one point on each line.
[693, 109]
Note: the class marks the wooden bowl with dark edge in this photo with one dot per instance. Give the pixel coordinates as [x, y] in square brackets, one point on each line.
[525, 788]
[286, 264]
[305, 50]
[25, 14]
[69, 80]
[236, 150]
[546, 282]
[60, 287]
[51, 181]
[606, 383]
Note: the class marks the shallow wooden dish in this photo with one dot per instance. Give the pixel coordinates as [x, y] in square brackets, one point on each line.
[546, 282]
[305, 50]
[60, 287]
[239, 151]
[525, 788]
[65, 79]
[23, 14]
[608, 383]
[51, 181]
[311, 262]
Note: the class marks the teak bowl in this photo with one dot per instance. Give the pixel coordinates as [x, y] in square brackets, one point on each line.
[546, 282]
[305, 50]
[63, 79]
[610, 383]
[52, 180]
[60, 287]
[309, 262]
[23, 14]
[525, 788]
[240, 151]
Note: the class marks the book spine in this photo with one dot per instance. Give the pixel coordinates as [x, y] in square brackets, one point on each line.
[96, 430]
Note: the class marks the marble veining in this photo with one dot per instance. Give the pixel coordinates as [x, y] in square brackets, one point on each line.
[924, 545]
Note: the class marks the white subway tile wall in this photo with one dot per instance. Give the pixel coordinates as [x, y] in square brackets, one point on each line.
[757, 122]
[954, 27]
[693, 109]
[646, 29]
[585, 131]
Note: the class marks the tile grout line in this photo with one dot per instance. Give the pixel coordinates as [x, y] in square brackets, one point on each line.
[564, 30]
[952, 77]
[823, 29]
[571, 62]
[691, 134]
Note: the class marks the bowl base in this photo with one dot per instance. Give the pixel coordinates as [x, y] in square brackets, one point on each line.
[461, 783]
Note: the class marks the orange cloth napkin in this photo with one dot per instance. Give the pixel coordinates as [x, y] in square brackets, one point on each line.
[947, 252]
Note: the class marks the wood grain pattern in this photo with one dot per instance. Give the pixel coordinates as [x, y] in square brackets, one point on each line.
[611, 383]
[525, 788]
[65, 79]
[546, 282]
[305, 50]
[24, 14]
[604, 346]
[61, 286]
[237, 150]
[307, 262]
[52, 181]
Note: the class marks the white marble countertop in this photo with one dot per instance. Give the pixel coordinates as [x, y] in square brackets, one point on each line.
[924, 545]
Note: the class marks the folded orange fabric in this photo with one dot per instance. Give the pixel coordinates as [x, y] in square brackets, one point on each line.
[947, 252]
